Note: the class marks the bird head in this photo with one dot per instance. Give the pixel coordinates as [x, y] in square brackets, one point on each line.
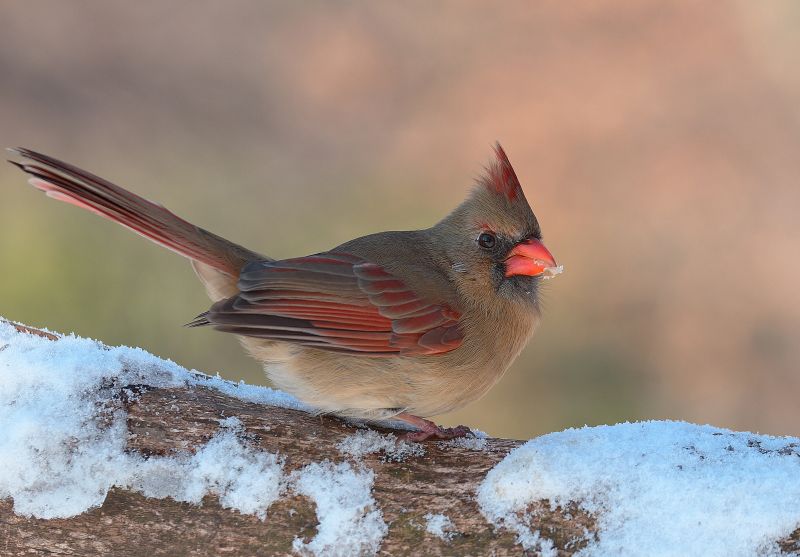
[492, 242]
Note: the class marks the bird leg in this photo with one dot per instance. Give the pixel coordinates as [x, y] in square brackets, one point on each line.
[428, 429]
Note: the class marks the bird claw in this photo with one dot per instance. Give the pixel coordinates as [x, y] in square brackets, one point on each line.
[429, 430]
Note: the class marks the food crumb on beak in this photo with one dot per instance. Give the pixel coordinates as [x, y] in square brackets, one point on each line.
[551, 272]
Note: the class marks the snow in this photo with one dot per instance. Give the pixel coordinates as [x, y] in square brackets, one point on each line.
[248, 393]
[350, 523]
[655, 488]
[440, 526]
[476, 441]
[62, 444]
[368, 441]
[243, 479]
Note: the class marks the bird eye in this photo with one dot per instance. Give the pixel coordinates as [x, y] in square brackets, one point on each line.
[487, 240]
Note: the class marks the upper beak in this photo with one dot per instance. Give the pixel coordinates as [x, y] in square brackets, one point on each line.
[529, 258]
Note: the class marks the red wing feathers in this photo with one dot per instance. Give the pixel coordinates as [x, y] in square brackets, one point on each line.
[335, 301]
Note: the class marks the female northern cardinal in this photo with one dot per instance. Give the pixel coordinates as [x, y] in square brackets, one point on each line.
[390, 325]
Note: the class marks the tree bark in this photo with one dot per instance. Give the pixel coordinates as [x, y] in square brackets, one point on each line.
[162, 421]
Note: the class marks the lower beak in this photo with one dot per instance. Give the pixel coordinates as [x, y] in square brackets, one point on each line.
[529, 258]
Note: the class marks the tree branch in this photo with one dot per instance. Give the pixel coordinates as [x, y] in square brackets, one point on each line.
[432, 478]
[163, 421]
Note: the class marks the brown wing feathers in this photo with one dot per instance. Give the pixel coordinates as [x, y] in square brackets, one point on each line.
[335, 301]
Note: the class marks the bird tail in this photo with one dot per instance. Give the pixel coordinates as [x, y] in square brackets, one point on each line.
[70, 184]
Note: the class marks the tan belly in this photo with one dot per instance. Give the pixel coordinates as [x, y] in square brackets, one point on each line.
[376, 388]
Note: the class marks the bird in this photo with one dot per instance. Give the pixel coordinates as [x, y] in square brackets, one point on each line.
[400, 325]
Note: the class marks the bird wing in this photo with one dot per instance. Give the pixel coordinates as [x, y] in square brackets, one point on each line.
[335, 301]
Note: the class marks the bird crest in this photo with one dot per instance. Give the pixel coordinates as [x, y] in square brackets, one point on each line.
[501, 177]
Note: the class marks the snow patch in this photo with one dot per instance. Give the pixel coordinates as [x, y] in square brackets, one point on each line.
[369, 441]
[244, 479]
[350, 523]
[440, 526]
[63, 439]
[476, 441]
[62, 444]
[247, 393]
[655, 488]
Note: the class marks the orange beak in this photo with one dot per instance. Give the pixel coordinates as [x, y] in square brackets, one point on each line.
[529, 258]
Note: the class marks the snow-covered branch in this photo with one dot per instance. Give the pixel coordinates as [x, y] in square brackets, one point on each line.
[114, 451]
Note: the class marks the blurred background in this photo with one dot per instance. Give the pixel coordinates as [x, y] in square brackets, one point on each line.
[659, 144]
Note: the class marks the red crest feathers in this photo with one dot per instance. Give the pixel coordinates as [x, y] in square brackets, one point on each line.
[501, 176]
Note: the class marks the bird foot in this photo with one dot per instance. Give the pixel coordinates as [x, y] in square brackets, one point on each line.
[429, 430]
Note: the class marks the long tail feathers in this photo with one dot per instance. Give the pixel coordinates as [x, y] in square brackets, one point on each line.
[72, 185]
